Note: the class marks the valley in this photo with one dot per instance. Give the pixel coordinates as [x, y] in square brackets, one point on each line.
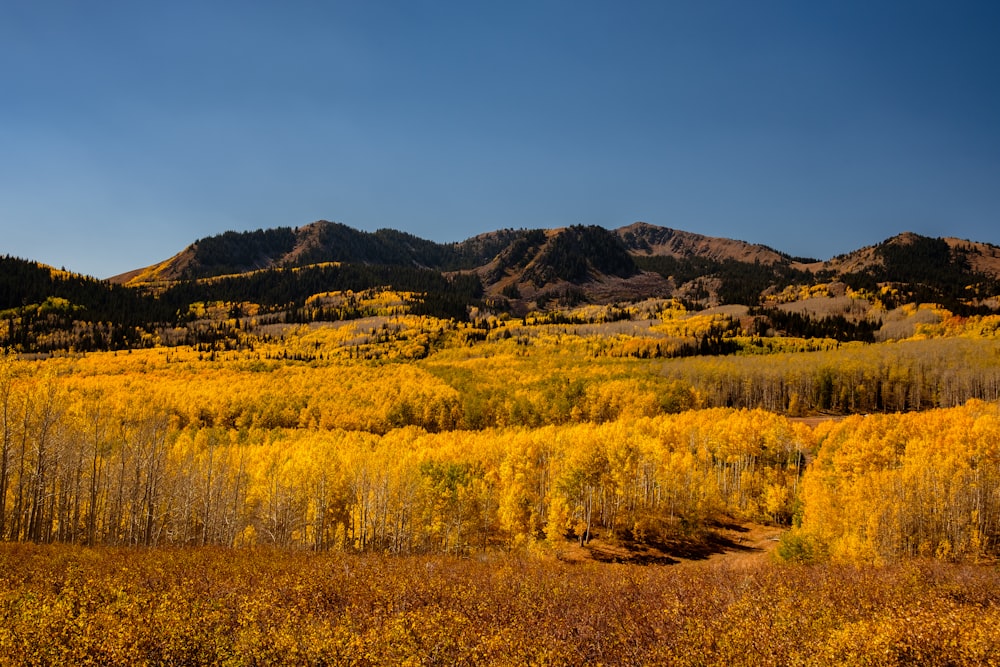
[642, 449]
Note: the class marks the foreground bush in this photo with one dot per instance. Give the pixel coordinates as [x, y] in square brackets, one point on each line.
[67, 605]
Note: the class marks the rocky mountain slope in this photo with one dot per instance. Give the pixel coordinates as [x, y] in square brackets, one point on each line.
[323, 241]
[510, 270]
[594, 264]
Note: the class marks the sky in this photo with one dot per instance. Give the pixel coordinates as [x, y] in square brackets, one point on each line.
[128, 130]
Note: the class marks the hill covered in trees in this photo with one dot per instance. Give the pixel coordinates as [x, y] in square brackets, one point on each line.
[282, 274]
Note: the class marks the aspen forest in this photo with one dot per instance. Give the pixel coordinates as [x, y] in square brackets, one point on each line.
[499, 334]
[566, 487]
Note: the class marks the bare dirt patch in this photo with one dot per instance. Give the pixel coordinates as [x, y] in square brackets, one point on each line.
[752, 543]
[734, 544]
[816, 420]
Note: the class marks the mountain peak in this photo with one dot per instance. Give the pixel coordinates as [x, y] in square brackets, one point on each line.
[645, 239]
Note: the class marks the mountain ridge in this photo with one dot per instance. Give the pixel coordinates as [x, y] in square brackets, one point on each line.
[323, 240]
[587, 262]
[283, 273]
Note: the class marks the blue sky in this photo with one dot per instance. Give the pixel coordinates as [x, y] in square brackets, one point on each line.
[130, 129]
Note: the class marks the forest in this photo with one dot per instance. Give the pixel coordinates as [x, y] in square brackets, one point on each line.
[267, 488]
[410, 439]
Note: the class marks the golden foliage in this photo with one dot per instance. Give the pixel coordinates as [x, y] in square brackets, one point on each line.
[920, 484]
[369, 458]
[71, 605]
[409, 434]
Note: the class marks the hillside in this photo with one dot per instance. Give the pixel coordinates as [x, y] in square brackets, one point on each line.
[493, 253]
[281, 274]
[920, 269]
[285, 247]
[644, 239]
[531, 268]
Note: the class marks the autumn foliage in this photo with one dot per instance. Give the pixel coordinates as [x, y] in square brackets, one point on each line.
[81, 606]
[400, 489]
[355, 437]
[884, 487]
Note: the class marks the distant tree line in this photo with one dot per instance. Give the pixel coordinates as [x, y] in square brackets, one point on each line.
[888, 377]
[740, 282]
[798, 325]
[42, 310]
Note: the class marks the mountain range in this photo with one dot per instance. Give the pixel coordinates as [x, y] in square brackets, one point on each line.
[596, 264]
[495, 255]
[508, 270]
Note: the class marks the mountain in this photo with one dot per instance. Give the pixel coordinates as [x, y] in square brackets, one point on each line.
[515, 271]
[644, 239]
[981, 258]
[953, 272]
[536, 262]
[519, 264]
[285, 247]
[521, 267]
[323, 241]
